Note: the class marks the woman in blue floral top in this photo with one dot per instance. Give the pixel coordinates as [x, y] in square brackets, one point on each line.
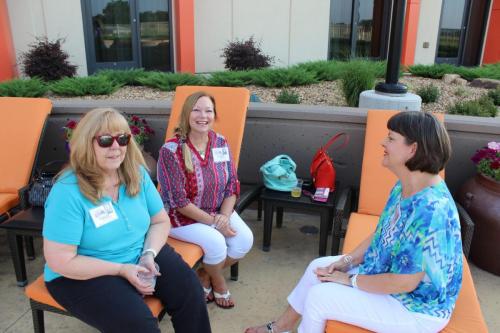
[406, 276]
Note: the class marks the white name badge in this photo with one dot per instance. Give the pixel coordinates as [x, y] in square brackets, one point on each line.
[103, 214]
[220, 154]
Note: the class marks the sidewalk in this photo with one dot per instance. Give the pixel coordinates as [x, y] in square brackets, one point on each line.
[265, 280]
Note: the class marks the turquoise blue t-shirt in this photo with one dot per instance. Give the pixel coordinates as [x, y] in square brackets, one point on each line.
[425, 238]
[68, 221]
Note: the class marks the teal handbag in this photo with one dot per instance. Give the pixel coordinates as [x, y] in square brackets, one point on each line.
[279, 173]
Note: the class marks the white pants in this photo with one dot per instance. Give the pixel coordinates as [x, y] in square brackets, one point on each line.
[319, 301]
[215, 246]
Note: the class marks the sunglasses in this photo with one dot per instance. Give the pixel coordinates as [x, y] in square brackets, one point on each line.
[106, 141]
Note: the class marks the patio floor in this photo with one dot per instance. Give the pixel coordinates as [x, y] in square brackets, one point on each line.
[266, 278]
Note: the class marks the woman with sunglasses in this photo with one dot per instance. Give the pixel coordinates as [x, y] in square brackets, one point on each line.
[105, 228]
[199, 186]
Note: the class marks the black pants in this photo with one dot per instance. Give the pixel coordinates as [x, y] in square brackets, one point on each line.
[112, 304]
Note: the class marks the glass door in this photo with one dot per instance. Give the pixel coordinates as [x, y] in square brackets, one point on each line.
[154, 34]
[122, 34]
[111, 34]
[452, 29]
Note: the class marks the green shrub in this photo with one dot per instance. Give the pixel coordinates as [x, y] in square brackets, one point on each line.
[125, 77]
[230, 78]
[23, 88]
[81, 86]
[283, 77]
[482, 107]
[355, 79]
[491, 71]
[47, 61]
[495, 96]
[429, 93]
[332, 70]
[288, 97]
[436, 71]
[245, 54]
[169, 81]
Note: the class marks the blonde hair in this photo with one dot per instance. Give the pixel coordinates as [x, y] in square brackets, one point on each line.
[83, 161]
[183, 128]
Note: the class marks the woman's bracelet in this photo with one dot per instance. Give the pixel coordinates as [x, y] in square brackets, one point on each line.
[347, 259]
[150, 250]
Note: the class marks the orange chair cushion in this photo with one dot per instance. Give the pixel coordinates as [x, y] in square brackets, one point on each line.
[466, 317]
[22, 121]
[7, 202]
[376, 180]
[190, 253]
[231, 106]
[37, 291]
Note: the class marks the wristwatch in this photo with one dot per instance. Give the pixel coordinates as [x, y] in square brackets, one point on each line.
[150, 250]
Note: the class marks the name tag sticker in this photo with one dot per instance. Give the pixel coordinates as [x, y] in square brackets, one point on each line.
[220, 154]
[103, 214]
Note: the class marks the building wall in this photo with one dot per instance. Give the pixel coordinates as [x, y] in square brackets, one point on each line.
[491, 52]
[52, 18]
[428, 30]
[291, 31]
[7, 58]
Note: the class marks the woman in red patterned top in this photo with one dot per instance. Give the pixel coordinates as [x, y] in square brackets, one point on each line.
[199, 187]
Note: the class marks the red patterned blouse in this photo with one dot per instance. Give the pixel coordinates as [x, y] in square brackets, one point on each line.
[213, 178]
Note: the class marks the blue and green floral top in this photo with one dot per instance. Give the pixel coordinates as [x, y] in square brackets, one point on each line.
[415, 234]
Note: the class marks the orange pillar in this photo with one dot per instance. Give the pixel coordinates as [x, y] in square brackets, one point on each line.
[7, 54]
[410, 32]
[492, 46]
[184, 35]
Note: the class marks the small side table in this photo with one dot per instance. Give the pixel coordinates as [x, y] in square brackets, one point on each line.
[28, 222]
[279, 200]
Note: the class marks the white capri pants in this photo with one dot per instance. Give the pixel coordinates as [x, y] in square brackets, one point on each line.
[319, 301]
[215, 246]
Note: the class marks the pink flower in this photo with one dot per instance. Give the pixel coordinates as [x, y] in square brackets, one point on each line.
[495, 165]
[135, 119]
[71, 124]
[135, 130]
[494, 145]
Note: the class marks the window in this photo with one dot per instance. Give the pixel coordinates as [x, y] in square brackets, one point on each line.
[358, 29]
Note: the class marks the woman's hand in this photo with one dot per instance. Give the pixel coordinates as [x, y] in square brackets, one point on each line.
[222, 224]
[335, 266]
[130, 273]
[337, 277]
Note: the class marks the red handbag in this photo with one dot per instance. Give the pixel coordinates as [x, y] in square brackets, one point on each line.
[322, 168]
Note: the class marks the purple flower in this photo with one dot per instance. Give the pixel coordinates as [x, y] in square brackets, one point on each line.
[135, 130]
[494, 145]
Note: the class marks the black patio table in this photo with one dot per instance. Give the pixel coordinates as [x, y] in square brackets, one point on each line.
[280, 200]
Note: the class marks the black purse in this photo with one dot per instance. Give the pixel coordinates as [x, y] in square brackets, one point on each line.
[42, 183]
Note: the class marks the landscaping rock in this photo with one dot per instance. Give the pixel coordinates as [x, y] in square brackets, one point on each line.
[460, 82]
[450, 78]
[485, 83]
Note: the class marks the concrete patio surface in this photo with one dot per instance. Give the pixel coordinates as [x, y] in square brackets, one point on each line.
[265, 280]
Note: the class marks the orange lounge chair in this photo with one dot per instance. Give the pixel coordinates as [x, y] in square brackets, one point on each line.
[23, 122]
[376, 183]
[232, 105]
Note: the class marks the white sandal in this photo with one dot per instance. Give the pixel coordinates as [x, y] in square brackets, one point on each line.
[225, 296]
[207, 292]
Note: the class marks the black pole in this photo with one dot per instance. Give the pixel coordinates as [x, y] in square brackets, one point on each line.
[391, 84]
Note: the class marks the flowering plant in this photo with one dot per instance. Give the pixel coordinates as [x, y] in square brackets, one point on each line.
[140, 129]
[487, 160]
[68, 129]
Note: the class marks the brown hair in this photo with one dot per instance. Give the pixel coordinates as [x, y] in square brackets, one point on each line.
[84, 163]
[183, 128]
[433, 142]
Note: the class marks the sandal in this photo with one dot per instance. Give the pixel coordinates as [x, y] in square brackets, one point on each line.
[225, 296]
[208, 292]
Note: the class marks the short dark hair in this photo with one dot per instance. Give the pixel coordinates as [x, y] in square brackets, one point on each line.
[433, 142]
